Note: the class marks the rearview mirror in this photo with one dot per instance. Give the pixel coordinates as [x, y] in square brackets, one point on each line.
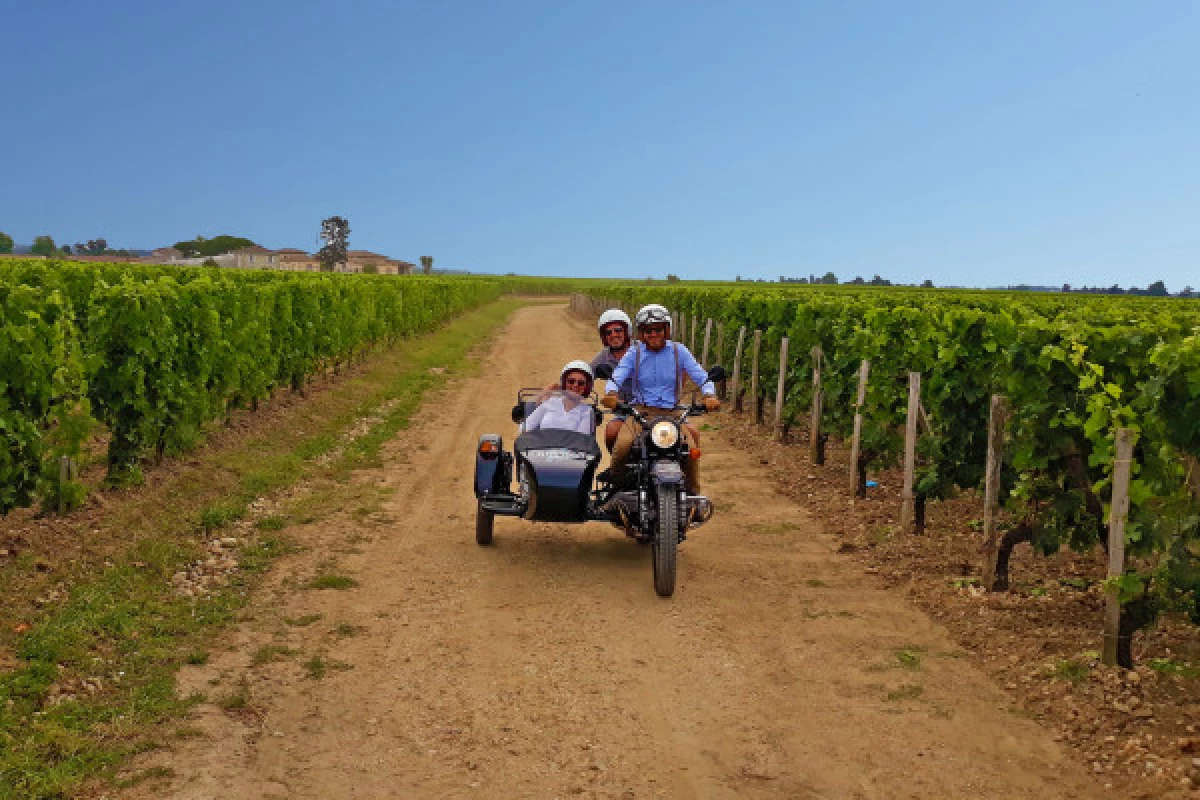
[716, 374]
[604, 372]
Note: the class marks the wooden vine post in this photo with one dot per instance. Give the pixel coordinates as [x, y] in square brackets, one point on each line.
[997, 421]
[781, 389]
[755, 395]
[858, 487]
[910, 449]
[707, 339]
[737, 369]
[692, 333]
[1116, 546]
[722, 388]
[815, 451]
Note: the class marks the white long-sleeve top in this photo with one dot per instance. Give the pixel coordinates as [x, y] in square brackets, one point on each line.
[554, 414]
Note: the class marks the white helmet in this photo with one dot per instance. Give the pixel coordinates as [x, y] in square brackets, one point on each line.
[653, 313]
[577, 366]
[614, 315]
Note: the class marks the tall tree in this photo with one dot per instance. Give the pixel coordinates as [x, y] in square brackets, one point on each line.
[43, 246]
[335, 232]
[6, 243]
[427, 264]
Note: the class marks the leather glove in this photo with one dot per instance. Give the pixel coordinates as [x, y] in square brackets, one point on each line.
[711, 403]
[609, 401]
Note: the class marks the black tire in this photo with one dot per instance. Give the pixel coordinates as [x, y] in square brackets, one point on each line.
[666, 541]
[484, 522]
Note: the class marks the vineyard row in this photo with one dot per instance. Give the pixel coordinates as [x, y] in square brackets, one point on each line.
[155, 353]
[1069, 375]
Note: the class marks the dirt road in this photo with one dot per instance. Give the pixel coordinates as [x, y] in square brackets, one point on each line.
[545, 666]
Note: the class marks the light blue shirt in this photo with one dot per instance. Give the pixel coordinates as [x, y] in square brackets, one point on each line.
[655, 378]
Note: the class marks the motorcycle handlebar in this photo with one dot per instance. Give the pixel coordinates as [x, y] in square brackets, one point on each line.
[630, 411]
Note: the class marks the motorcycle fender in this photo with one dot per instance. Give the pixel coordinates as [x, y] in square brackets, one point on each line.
[489, 467]
[667, 472]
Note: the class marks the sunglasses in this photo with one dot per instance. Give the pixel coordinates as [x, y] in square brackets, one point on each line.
[614, 329]
[575, 382]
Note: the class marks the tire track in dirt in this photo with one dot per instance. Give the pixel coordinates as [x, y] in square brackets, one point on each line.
[545, 666]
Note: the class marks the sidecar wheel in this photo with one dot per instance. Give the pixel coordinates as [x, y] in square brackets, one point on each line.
[484, 522]
[666, 541]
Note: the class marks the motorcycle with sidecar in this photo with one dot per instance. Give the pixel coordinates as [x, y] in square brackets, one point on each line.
[556, 478]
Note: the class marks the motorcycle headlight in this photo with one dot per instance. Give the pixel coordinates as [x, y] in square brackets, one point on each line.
[664, 434]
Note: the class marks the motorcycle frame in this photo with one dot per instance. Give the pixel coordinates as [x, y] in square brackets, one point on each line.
[648, 467]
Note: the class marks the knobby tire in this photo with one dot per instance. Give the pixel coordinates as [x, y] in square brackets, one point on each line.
[484, 522]
[666, 541]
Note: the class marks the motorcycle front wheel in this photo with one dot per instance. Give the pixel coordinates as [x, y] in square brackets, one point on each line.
[666, 541]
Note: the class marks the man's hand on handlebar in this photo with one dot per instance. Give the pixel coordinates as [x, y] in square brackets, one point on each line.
[609, 401]
[711, 403]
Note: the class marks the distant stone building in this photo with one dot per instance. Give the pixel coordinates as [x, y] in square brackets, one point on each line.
[254, 257]
[292, 260]
[366, 261]
[163, 255]
[289, 259]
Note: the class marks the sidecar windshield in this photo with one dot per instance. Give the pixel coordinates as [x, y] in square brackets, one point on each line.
[553, 408]
[557, 438]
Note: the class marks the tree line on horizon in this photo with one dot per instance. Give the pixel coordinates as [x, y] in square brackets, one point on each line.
[1155, 289]
[335, 233]
[45, 246]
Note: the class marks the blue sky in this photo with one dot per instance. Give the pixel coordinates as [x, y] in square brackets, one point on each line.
[972, 143]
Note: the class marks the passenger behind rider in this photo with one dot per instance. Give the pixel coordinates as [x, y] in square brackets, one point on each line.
[615, 336]
[566, 409]
[656, 373]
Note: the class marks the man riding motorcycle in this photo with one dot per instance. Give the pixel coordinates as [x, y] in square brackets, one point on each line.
[655, 372]
[615, 335]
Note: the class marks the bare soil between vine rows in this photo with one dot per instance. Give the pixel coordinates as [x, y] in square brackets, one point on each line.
[1139, 732]
[545, 665]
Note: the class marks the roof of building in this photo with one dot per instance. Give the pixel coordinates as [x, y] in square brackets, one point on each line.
[255, 249]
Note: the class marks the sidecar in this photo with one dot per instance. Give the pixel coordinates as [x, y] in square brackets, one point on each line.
[553, 469]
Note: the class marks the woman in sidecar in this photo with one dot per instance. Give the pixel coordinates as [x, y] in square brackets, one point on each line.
[555, 456]
[566, 408]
